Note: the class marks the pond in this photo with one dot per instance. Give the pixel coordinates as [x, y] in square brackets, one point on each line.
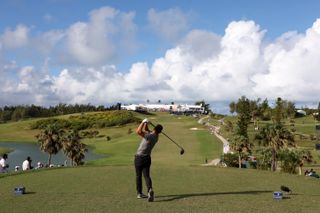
[23, 150]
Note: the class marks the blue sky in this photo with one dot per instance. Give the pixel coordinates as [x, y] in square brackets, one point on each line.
[277, 16]
[78, 43]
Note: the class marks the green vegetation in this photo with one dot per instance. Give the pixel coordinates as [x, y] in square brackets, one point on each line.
[178, 189]
[85, 121]
[16, 113]
[4, 150]
[207, 148]
[181, 185]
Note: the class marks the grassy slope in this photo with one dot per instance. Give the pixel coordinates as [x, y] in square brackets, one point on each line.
[4, 150]
[180, 184]
[17, 132]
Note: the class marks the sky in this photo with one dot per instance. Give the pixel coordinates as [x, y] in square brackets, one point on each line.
[104, 52]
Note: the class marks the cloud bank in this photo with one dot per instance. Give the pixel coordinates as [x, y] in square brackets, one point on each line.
[203, 65]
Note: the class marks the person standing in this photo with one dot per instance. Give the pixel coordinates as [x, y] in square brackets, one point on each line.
[26, 165]
[3, 164]
[142, 160]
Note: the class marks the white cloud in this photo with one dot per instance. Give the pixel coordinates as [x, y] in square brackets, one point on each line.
[15, 38]
[202, 66]
[168, 24]
[104, 38]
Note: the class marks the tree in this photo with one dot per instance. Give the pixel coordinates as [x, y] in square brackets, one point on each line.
[318, 113]
[241, 144]
[291, 159]
[50, 140]
[205, 106]
[244, 116]
[241, 139]
[278, 111]
[232, 107]
[73, 148]
[276, 137]
[290, 109]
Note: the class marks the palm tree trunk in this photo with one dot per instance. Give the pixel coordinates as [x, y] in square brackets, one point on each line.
[49, 159]
[300, 170]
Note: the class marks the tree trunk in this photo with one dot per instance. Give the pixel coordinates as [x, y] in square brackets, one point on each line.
[239, 160]
[300, 170]
[49, 159]
[273, 162]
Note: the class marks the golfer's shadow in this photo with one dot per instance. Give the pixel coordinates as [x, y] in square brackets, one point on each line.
[166, 198]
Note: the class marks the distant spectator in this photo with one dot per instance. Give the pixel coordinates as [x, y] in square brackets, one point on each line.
[244, 163]
[39, 165]
[3, 164]
[306, 173]
[313, 174]
[26, 165]
[16, 168]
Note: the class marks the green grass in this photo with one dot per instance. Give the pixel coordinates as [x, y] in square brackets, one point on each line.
[178, 189]
[208, 148]
[181, 185]
[18, 132]
[4, 150]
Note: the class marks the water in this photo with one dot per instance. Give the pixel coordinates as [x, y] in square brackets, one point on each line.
[23, 150]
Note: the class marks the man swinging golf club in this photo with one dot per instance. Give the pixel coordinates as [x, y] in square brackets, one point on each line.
[142, 160]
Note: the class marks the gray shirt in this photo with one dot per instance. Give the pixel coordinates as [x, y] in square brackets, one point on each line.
[147, 144]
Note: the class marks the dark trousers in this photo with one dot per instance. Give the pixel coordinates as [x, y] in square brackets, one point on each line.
[142, 165]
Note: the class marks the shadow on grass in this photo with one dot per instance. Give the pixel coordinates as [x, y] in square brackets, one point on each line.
[166, 198]
[29, 193]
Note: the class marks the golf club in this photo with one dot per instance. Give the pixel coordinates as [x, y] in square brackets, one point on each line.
[181, 149]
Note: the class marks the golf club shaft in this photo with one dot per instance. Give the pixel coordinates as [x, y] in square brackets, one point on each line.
[171, 140]
[168, 137]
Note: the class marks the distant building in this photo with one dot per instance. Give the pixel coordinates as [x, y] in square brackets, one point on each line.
[134, 107]
[301, 112]
[173, 108]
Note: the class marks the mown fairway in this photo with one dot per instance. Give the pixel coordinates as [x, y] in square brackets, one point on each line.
[180, 183]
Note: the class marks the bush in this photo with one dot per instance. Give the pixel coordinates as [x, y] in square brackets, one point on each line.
[263, 159]
[231, 160]
[41, 124]
[289, 161]
[85, 121]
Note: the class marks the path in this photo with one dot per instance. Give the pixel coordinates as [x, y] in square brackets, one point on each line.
[216, 131]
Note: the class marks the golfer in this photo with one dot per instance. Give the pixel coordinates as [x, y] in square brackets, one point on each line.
[142, 160]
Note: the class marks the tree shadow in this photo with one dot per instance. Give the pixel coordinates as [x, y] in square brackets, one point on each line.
[167, 198]
[29, 193]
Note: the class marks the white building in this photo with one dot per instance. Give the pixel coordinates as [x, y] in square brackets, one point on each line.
[175, 108]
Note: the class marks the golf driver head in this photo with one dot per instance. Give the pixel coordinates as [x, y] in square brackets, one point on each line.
[181, 151]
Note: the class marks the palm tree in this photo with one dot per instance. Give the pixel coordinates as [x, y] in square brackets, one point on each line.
[73, 148]
[241, 144]
[291, 159]
[276, 137]
[50, 140]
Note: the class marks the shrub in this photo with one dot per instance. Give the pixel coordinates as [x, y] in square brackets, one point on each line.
[289, 161]
[263, 158]
[84, 121]
[231, 160]
[60, 123]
